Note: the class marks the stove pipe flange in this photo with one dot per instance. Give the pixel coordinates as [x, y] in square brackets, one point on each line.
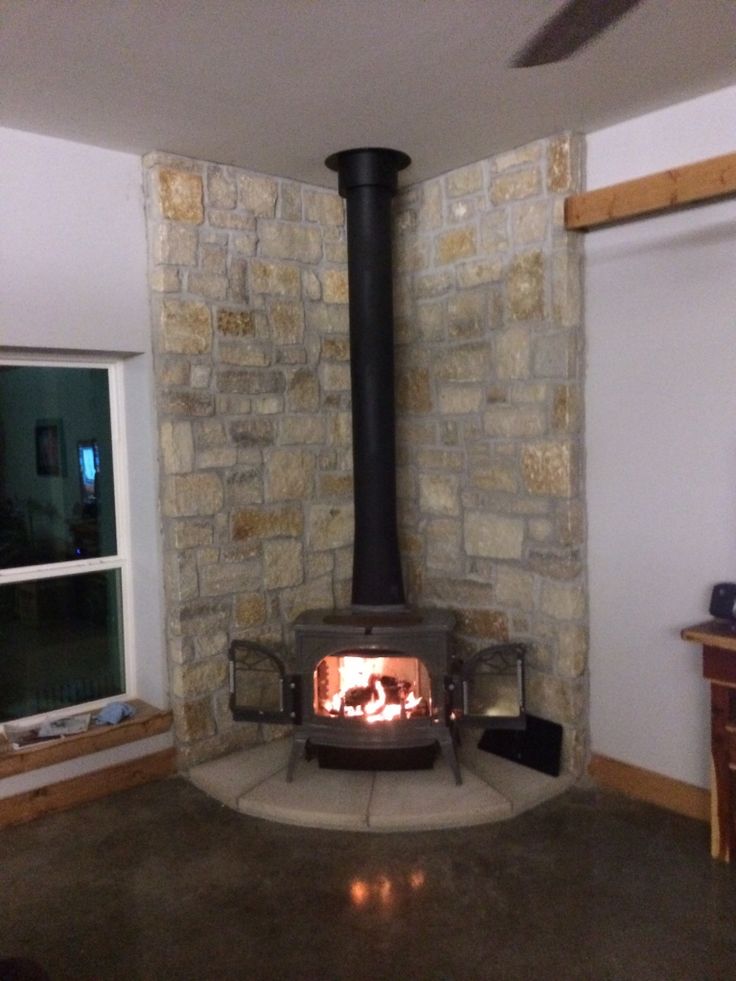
[367, 179]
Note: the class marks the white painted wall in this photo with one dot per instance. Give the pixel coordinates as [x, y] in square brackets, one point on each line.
[661, 441]
[73, 277]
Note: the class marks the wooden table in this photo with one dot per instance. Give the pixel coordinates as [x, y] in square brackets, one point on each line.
[718, 638]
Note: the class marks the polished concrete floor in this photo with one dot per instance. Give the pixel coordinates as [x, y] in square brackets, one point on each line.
[163, 882]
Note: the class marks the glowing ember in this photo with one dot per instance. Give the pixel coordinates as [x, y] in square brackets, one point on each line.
[366, 688]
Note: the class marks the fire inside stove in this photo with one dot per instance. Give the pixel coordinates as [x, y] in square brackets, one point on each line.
[376, 688]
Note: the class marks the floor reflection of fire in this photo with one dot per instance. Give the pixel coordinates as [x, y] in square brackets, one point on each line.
[385, 891]
[378, 688]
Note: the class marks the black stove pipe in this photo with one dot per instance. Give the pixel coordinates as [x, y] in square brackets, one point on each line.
[367, 179]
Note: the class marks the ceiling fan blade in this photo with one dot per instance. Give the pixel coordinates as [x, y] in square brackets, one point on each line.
[572, 27]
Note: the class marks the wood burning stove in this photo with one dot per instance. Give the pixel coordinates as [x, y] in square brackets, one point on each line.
[377, 685]
[380, 677]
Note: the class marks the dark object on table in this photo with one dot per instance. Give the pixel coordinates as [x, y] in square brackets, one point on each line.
[723, 601]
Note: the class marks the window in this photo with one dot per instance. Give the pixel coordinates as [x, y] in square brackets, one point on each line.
[63, 569]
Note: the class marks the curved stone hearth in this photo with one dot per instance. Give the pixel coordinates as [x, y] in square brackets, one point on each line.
[253, 781]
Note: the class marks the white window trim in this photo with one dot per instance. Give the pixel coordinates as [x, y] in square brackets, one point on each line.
[121, 559]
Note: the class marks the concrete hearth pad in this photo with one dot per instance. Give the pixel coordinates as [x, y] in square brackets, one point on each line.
[253, 781]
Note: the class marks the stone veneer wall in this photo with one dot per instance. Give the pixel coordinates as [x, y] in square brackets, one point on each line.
[249, 297]
[490, 355]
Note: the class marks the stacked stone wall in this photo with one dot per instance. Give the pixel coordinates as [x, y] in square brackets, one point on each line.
[249, 298]
[490, 359]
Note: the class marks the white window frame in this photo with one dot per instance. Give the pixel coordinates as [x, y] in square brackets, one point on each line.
[121, 559]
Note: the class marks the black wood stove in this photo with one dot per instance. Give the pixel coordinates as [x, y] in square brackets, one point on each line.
[378, 680]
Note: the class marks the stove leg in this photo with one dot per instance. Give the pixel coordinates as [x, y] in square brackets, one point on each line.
[447, 746]
[298, 749]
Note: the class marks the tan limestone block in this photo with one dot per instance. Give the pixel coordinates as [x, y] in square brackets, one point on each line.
[335, 377]
[493, 536]
[186, 327]
[567, 287]
[434, 283]
[222, 191]
[525, 286]
[571, 523]
[429, 458]
[529, 222]
[439, 493]
[572, 656]
[164, 279]
[246, 354]
[335, 349]
[413, 391]
[514, 422]
[513, 354]
[554, 698]
[335, 286]
[341, 429]
[250, 610]
[559, 165]
[276, 278]
[460, 399]
[257, 194]
[444, 550]
[330, 526]
[289, 474]
[566, 409]
[480, 273]
[547, 469]
[466, 180]
[515, 588]
[208, 285]
[283, 563]
[314, 594]
[192, 533]
[516, 185]
[324, 207]
[223, 578]
[431, 212]
[494, 231]
[459, 243]
[180, 577]
[175, 244]
[287, 240]
[286, 320]
[528, 154]
[193, 720]
[290, 201]
[562, 600]
[500, 476]
[180, 194]
[301, 430]
[199, 677]
[173, 373]
[192, 494]
[177, 447]
[302, 392]
[262, 523]
[339, 485]
[486, 624]
[467, 363]
[234, 221]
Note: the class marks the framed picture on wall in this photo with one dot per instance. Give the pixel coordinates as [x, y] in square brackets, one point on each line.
[50, 451]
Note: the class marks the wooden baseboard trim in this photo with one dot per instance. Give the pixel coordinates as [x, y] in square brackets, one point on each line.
[88, 787]
[674, 795]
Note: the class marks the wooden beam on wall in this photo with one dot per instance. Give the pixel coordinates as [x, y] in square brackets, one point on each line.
[691, 184]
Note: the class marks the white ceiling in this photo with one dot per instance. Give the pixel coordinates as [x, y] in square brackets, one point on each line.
[277, 85]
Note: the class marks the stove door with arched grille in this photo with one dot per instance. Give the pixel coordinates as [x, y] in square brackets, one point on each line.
[261, 689]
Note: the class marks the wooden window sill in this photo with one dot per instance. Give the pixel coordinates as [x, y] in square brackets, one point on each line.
[147, 721]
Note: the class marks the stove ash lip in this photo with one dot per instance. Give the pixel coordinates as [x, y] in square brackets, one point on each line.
[367, 179]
